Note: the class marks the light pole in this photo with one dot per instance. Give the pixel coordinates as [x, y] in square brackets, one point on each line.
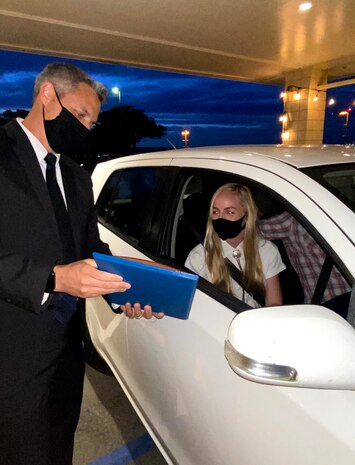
[117, 91]
[185, 134]
[347, 114]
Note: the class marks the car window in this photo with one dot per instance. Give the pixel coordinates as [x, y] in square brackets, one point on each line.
[321, 280]
[124, 199]
[311, 275]
[338, 179]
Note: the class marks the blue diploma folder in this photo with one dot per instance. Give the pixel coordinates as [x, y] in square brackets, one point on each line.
[165, 289]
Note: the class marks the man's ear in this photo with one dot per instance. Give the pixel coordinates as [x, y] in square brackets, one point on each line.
[46, 92]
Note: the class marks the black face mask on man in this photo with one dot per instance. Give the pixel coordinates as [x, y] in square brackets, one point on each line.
[64, 133]
[227, 229]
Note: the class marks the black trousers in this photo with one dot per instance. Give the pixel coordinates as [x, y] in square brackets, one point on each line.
[41, 384]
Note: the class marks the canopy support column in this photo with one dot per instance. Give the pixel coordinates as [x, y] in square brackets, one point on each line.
[304, 107]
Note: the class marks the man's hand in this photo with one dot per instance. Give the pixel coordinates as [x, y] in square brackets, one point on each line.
[83, 279]
[137, 312]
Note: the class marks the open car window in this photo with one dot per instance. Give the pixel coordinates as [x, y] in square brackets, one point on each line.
[312, 274]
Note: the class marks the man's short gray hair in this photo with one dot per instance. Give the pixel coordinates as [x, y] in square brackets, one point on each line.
[66, 78]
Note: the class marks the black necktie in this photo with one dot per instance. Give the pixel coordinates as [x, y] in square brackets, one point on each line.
[60, 209]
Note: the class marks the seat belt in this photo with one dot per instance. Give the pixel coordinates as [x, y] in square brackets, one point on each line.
[237, 276]
[351, 310]
[322, 280]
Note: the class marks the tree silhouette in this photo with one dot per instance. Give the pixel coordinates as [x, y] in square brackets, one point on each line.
[116, 133]
[120, 129]
[8, 115]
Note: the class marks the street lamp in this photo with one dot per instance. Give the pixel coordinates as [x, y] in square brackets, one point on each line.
[117, 91]
[347, 114]
[185, 134]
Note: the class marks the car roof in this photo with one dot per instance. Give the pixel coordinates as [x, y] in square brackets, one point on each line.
[296, 156]
[283, 161]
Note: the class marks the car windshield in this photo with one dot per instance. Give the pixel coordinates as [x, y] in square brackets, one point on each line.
[338, 179]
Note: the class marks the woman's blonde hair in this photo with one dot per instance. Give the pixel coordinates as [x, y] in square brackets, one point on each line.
[253, 276]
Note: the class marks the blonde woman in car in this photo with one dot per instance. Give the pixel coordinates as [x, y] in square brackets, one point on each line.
[234, 255]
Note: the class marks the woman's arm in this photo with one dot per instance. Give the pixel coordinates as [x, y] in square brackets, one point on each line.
[273, 294]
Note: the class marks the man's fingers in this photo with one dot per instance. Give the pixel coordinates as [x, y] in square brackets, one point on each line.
[99, 274]
[109, 282]
[137, 312]
[158, 315]
[83, 279]
[128, 310]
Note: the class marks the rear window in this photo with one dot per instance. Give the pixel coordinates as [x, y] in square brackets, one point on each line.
[124, 199]
[338, 179]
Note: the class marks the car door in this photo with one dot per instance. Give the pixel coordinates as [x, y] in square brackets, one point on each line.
[175, 372]
[290, 402]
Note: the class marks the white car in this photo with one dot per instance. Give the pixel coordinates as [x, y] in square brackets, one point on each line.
[233, 385]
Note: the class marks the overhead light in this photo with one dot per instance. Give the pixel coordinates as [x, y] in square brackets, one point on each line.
[331, 101]
[305, 6]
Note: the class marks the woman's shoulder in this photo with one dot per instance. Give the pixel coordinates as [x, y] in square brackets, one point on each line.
[196, 259]
[267, 247]
[270, 257]
[198, 250]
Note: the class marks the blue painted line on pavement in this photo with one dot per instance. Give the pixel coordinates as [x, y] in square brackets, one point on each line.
[128, 452]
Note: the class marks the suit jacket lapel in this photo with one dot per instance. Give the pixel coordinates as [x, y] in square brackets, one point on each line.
[26, 172]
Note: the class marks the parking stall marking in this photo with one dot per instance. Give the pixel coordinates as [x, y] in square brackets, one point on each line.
[128, 452]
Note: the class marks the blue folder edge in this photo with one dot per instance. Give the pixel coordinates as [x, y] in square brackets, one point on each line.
[168, 291]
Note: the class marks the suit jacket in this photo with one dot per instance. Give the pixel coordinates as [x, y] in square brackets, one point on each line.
[30, 245]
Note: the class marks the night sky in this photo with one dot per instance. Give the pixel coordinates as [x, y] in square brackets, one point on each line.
[215, 111]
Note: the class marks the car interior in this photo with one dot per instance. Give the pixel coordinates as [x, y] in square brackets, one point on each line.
[191, 225]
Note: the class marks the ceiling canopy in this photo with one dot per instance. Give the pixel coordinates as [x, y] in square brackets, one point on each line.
[248, 40]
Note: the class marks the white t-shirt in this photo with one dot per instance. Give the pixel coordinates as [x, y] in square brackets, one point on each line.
[270, 259]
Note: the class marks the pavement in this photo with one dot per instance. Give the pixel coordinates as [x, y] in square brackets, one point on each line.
[109, 430]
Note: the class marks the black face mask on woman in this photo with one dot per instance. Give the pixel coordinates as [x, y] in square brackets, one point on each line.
[227, 229]
[64, 133]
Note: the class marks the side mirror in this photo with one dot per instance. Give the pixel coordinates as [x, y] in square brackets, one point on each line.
[302, 346]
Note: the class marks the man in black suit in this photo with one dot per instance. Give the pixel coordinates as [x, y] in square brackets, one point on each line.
[45, 246]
